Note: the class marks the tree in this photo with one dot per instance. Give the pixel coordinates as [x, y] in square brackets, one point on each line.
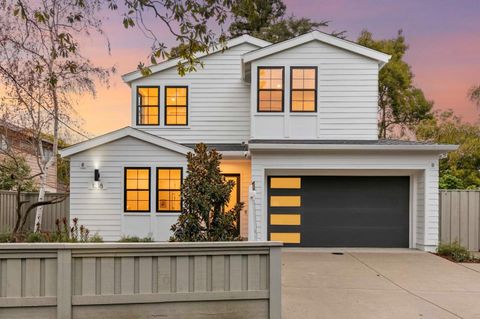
[401, 105]
[42, 67]
[474, 94]
[459, 169]
[205, 194]
[251, 16]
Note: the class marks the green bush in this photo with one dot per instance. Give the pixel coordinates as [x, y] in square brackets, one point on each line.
[36, 238]
[454, 251]
[96, 239]
[6, 238]
[135, 239]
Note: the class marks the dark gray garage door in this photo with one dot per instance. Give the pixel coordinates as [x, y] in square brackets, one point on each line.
[339, 211]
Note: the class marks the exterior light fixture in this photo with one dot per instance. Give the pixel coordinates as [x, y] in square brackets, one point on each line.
[96, 179]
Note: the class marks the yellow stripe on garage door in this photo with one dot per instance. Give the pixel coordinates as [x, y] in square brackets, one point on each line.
[289, 238]
[284, 219]
[285, 201]
[286, 182]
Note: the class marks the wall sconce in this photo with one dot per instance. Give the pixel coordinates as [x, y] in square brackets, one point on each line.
[96, 179]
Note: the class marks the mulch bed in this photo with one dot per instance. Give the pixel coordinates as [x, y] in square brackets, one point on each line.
[470, 261]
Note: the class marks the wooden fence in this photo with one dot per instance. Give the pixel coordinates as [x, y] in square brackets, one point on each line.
[239, 280]
[50, 212]
[460, 217]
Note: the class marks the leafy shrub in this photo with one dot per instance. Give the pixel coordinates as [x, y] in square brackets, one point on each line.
[37, 237]
[454, 251]
[136, 239]
[6, 238]
[96, 239]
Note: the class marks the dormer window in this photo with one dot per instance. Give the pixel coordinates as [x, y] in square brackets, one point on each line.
[148, 105]
[303, 91]
[176, 105]
[270, 89]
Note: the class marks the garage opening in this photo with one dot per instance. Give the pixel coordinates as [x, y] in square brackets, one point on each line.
[339, 211]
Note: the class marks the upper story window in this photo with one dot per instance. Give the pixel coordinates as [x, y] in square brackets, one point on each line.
[303, 91]
[270, 89]
[148, 105]
[169, 186]
[137, 189]
[176, 105]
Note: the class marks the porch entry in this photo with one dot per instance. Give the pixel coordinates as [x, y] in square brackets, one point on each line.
[339, 211]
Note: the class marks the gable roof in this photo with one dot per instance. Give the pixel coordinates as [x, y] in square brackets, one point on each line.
[119, 134]
[132, 76]
[381, 57]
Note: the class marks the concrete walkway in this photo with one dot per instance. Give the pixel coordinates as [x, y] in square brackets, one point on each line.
[377, 284]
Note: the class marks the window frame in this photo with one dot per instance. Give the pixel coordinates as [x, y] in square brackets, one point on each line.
[165, 104]
[314, 90]
[137, 107]
[125, 190]
[157, 190]
[282, 90]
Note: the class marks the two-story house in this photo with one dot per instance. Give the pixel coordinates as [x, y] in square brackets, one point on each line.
[296, 123]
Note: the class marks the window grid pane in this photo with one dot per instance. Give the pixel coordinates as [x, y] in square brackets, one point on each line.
[147, 106]
[270, 89]
[169, 189]
[137, 190]
[303, 91]
[176, 106]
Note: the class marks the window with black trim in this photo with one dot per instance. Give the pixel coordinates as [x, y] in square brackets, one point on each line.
[270, 89]
[137, 189]
[176, 105]
[169, 187]
[148, 105]
[303, 89]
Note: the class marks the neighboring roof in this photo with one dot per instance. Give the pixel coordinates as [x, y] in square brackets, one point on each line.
[381, 57]
[224, 147]
[121, 133]
[132, 76]
[8, 126]
[381, 144]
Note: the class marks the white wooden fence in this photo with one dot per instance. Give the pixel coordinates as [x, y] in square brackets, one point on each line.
[460, 217]
[141, 280]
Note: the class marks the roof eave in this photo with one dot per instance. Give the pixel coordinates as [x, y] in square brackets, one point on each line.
[135, 75]
[119, 134]
[440, 148]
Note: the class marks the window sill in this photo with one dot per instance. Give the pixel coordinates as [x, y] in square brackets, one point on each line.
[168, 214]
[269, 114]
[136, 214]
[303, 113]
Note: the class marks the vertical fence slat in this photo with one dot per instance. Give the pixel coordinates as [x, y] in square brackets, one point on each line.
[460, 217]
[50, 214]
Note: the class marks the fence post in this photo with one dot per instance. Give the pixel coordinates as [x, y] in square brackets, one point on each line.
[64, 284]
[275, 305]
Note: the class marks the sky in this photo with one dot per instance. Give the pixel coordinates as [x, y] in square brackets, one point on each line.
[443, 38]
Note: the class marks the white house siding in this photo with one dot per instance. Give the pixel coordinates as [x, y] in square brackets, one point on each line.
[242, 167]
[421, 166]
[219, 100]
[101, 211]
[346, 102]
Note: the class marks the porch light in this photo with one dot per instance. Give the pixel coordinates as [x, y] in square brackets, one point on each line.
[96, 179]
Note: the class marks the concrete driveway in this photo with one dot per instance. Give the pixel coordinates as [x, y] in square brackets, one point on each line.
[377, 284]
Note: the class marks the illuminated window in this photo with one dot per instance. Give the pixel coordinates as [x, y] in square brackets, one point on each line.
[285, 201]
[147, 105]
[235, 193]
[176, 104]
[270, 89]
[303, 89]
[169, 185]
[286, 182]
[288, 238]
[137, 189]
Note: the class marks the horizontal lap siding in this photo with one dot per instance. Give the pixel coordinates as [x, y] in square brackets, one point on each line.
[427, 192]
[347, 91]
[219, 105]
[101, 210]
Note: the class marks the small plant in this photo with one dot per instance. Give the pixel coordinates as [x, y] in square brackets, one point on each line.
[36, 237]
[454, 251]
[6, 238]
[135, 239]
[96, 239]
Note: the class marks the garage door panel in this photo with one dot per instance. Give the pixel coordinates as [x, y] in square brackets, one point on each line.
[349, 211]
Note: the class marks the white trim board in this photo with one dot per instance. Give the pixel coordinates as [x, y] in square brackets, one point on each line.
[121, 133]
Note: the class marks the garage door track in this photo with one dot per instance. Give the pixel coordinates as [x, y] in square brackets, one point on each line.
[318, 283]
